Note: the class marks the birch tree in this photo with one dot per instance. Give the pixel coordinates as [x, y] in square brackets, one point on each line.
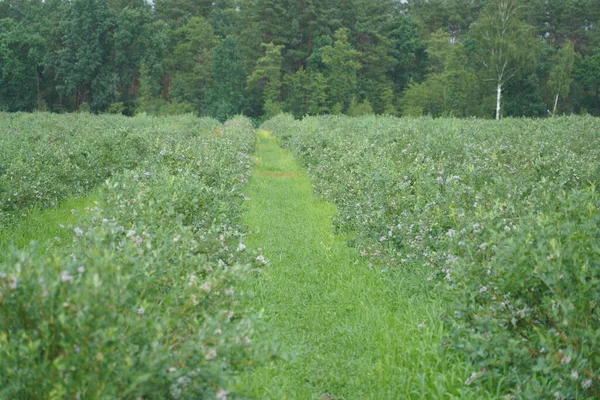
[505, 44]
[561, 74]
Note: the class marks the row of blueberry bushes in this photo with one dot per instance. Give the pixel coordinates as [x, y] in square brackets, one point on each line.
[502, 216]
[46, 158]
[142, 304]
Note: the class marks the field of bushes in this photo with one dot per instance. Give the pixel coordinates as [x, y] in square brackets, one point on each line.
[45, 158]
[141, 303]
[503, 218]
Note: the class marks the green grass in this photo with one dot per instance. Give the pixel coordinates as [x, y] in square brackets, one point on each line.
[344, 331]
[44, 225]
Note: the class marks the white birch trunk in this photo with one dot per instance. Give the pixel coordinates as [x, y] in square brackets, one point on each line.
[555, 104]
[498, 100]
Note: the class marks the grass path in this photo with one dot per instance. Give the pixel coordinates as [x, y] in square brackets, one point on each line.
[44, 225]
[345, 332]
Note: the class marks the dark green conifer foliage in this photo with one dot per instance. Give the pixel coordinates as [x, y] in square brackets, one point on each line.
[175, 10]
[265, 80]
[21, 55]
[450, 89]
[587, 76]
[84, 63]
[341, 61]
[226, 96]
[305, 93]
[137, 41]
[57, 54]
[190, 62]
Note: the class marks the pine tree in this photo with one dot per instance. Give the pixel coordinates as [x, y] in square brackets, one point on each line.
[21, 55]
[136, 41]
[305, 93]
[226, 97]
[181, 10]
[84, 64]
[342, 65]
[190, 62]
[265, 80]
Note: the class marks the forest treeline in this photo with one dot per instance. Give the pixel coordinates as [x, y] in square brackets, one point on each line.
[484, 58]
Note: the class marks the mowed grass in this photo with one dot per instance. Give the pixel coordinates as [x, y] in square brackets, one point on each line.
[344, 331]
[44, 225]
